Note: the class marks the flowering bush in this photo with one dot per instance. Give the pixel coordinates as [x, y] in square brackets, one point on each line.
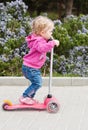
[73, 32]
[15, 24]
[77, 62]
[73, 49]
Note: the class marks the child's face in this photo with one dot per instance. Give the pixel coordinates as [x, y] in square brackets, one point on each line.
[47, 34]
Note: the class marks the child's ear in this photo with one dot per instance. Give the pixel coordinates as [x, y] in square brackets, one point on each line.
[42, 33]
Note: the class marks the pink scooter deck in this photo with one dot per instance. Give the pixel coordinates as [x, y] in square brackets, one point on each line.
[36, 106]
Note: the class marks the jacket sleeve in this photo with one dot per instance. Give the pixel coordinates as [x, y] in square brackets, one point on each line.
[44, 46]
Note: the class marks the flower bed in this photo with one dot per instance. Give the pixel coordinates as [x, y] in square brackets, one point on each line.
[15, 24]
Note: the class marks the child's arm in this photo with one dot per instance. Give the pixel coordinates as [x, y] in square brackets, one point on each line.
[43, 46]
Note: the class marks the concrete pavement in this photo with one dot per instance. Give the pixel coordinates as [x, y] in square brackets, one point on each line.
[73, 114]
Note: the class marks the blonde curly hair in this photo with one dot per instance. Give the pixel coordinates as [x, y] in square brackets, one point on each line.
[41, 23]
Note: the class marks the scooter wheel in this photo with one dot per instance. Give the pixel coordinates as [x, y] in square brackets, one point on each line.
[52, 107]
[4, 106]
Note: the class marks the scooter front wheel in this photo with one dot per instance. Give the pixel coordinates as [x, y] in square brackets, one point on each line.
[53, 107]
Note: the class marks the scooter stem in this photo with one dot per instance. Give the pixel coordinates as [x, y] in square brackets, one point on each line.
[51, 68]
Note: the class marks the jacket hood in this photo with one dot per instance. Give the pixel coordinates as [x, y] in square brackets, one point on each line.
[31, 39]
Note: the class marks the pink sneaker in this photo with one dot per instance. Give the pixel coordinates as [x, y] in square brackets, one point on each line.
[27, 100]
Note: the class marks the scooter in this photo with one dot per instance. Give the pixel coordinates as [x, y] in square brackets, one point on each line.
[50, 102]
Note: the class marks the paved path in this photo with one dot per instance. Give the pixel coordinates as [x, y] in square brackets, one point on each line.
[73, 114]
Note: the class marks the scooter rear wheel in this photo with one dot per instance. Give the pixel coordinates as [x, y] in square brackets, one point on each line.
[4, 106]
[53, 107]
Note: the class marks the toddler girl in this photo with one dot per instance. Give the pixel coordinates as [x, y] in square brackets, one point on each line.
[40, 42]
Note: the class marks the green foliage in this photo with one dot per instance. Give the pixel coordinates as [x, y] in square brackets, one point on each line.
[73, 32]
[72, 25]
[15, 24]
[14, 43]
[77, 62]
[80, 39]
[11, 68]
[61, 34]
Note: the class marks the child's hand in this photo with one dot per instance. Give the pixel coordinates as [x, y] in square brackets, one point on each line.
[57, 42]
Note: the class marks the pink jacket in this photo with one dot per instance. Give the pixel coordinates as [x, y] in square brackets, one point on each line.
[38, 49]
